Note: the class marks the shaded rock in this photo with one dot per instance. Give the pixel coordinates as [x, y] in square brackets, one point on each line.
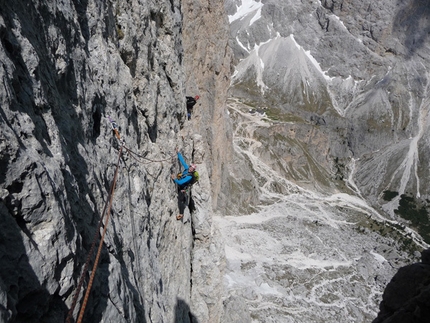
[425, 257]
[407, 296]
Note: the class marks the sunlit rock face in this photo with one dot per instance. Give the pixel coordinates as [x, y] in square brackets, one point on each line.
[207, 62]
[68, 69]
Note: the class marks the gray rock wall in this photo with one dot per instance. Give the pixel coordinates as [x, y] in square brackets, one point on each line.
[207, 59]
[67, 67]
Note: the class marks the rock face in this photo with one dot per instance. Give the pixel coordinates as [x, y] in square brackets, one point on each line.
[407, 296]
[68, 69]
[207, 59]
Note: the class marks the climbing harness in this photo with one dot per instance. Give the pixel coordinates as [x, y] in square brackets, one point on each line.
[195, 178]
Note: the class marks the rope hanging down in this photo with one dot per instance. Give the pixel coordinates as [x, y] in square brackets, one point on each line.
[135, 156]
[93, 273]
[84, 271]
[106, 210]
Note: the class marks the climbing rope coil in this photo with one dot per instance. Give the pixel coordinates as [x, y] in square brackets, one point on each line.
[106, 213]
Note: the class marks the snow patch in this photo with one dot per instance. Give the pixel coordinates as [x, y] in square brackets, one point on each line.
[241, 45]
[247, 7]
[312, 59]
[378, 257]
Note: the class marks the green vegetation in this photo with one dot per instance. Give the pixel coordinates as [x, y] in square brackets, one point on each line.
[119, 32]
[277, 114]
[389, 195]
[409, 209]
[249, 87]
[379, 123]
[395, 232]
[339, 169]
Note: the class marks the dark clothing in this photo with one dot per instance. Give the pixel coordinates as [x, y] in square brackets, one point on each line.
[191, 102]
[182, 200]
[185, 200]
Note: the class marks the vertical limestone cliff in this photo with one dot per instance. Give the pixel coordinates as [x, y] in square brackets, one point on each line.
[207, 59]
[68, 68]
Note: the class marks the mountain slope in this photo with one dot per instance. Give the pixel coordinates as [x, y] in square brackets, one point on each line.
[307, 250]
[351, 69]
[330, 108]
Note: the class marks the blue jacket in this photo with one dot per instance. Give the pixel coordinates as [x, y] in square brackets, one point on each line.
[186, 178]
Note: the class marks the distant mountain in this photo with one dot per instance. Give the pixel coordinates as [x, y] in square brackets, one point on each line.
[357, 71]
[330, 106]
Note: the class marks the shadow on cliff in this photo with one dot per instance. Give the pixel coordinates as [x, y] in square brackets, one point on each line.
[412, 24]
[406, 298]
[27, 299]
[183, 312]
[60, 97]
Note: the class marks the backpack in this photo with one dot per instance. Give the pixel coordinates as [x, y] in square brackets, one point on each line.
[196, 177]
[190, 102]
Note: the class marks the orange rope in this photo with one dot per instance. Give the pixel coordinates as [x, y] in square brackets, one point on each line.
[93, 273]
[84, 271]
[87, 263]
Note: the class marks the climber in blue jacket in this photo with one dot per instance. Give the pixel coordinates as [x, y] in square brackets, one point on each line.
[184, 180]
[187, 176]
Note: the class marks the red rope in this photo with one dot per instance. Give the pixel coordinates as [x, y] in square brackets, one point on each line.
[96, 262]
[107, 206]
